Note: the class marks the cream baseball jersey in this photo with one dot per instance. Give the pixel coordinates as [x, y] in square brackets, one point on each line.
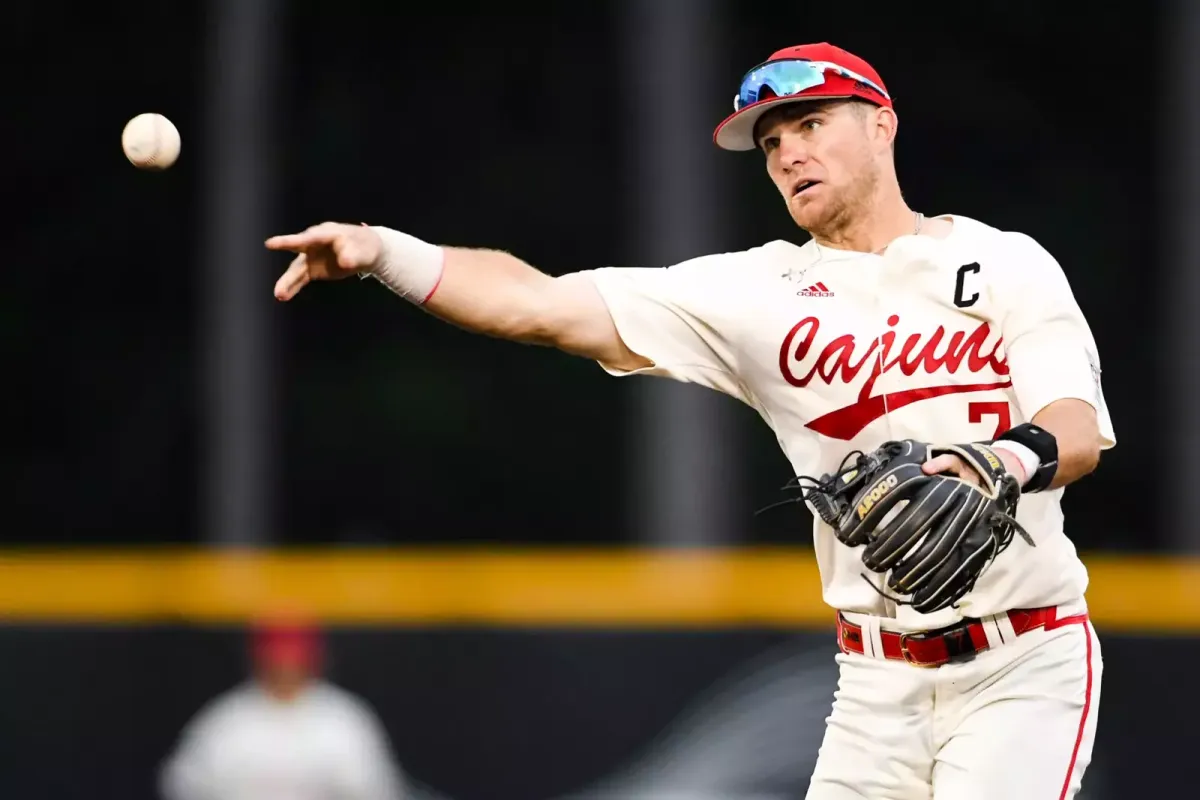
[244, 745]
[943, 340]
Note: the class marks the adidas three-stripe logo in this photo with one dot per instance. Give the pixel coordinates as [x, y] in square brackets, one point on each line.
[816, 290]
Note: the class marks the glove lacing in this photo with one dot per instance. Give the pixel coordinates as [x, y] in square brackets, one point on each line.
[806, 484]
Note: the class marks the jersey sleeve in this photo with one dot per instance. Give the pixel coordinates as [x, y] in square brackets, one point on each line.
[1052, 353]
[673, 317]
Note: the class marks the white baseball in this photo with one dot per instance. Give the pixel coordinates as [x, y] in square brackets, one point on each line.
[151, 141]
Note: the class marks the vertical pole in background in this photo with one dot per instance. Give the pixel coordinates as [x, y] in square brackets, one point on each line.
[237, 443]
[1182, 252]
[684, 466]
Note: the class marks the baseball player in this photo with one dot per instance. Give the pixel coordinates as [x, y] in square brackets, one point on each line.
[287, 733]
[936, 376]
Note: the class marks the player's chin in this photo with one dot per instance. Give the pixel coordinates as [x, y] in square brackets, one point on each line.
[806, 212]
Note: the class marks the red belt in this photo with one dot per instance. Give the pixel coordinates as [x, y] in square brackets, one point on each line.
[960, 642]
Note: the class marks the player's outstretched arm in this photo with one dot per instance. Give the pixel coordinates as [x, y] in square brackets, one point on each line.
[482, 291]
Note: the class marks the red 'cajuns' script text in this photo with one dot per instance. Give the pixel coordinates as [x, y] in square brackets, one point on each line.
[838, 361]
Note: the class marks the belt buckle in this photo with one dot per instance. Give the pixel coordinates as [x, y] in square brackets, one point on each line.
[908, 657]
[957, 638]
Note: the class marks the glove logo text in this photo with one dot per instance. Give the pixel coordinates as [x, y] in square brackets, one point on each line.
[988, 456]
[877, 491]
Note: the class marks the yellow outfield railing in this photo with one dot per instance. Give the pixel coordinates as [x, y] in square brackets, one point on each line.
[499, 587]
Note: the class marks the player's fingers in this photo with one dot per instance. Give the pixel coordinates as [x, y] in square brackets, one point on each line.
[943, 463]
[952, 465]
[295, 278]
[290, 241]
[316, 235]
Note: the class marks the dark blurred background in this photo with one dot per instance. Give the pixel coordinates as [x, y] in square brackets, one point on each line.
[526, 129]
[161, 396]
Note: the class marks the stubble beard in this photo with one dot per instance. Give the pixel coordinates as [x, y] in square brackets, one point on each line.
[848, 208]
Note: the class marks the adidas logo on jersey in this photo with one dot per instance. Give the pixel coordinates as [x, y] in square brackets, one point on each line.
[816, 290]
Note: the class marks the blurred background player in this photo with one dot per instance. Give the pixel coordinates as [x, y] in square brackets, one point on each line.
[285, 734]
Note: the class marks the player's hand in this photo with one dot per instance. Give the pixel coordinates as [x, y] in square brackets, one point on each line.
[326, 252]
[950, 464]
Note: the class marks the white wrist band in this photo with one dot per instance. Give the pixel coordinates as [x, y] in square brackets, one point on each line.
[410, 267]
[1029, 459]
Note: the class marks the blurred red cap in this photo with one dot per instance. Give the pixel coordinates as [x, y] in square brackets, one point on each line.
[286, 642]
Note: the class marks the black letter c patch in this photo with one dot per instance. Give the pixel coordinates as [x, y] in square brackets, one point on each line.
[960, 286]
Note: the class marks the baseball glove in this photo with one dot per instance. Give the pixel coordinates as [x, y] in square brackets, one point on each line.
[933, 535]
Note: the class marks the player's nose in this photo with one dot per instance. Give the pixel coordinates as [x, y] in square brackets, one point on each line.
[793, 150]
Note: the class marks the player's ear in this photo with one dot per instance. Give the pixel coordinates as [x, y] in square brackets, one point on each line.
[885, 124]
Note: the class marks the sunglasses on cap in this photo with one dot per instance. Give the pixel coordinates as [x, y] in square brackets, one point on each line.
[791, 77]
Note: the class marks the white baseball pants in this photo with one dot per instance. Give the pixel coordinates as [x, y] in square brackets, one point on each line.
[1015, 723]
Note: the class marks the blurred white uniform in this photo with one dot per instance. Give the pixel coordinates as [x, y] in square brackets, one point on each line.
[326, 744]
[939, 340]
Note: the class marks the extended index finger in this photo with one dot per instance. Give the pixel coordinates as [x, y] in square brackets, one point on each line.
[316, 235]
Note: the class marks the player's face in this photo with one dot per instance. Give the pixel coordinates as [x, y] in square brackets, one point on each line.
[284, 679]
[822, 158]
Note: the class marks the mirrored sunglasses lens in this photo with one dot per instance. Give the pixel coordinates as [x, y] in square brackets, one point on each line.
[781, 78]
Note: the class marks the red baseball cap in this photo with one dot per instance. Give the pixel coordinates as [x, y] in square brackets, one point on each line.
[804, 72]
[286, 642]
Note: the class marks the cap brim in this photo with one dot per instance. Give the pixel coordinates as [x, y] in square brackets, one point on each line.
[736, 132]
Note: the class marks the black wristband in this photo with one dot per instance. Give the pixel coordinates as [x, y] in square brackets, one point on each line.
[1044, 446]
